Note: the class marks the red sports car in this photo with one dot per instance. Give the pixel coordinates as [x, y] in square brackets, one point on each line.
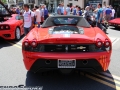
[115, 22]
[11, 25]
[66, 43]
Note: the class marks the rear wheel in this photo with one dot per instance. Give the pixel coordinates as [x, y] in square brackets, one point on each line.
[17, 34]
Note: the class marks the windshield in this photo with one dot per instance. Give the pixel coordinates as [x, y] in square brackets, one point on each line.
[65, 20]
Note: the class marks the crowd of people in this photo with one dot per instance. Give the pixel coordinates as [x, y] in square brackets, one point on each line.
[37, 15]
[100, 14]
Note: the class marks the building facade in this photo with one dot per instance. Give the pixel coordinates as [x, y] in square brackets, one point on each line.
[116, 5]
[15, 3]
[83, 3]
[52, 4]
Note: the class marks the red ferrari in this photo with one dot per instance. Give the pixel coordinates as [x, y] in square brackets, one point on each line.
[66, 43]
[115, 22]
[11, 25]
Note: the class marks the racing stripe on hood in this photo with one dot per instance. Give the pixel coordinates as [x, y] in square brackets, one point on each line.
[66, 35]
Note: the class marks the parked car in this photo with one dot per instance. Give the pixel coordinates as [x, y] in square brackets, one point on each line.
[115, 22]
[11, 25]
[66, 43]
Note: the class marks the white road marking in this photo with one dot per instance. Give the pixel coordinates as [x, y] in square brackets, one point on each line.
[115, 41]
[19, 43]
[66, 35]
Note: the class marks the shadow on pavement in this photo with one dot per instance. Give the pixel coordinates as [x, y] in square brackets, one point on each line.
[113, 28]
[73, 81]
[7, 43]
[3, 43]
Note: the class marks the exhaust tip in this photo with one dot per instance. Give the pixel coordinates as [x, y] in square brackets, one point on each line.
[85, 62]
[47, 61]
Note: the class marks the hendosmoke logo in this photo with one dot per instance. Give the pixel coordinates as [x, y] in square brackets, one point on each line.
[21, 87]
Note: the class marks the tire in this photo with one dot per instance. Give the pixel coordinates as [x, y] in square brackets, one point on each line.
[17, 34]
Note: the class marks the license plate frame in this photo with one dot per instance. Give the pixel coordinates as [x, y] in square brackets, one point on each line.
[66, 63]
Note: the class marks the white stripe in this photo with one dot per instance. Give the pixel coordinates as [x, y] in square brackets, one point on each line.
[19, 43]
[66, 35]
[115, 41]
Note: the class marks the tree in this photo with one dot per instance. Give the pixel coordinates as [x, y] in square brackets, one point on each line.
[4, 1]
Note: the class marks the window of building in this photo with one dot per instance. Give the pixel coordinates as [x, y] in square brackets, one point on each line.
[92, 3]
[31, 1]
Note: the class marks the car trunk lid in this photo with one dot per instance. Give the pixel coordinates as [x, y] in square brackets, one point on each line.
[87, 37]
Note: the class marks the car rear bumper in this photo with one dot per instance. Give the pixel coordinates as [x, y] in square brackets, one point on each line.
[92, 65]
[37, 61]
[7, 34]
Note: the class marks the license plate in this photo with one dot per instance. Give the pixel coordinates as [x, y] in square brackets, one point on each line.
[64, 63]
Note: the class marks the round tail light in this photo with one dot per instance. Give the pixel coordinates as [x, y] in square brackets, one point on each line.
[26, 43]
[99, 43]
[2, 27]
[107, 43]
[34, 43]
[7, 27]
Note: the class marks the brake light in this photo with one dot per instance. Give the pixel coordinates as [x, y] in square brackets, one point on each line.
[99, 43]
[26, 42]
[107, 43]
[1, 27]
[4, 27]
[34, 43]
[7, 27]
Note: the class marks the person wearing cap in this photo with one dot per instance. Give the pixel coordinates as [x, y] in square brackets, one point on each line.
[86, 12]
[108, 13]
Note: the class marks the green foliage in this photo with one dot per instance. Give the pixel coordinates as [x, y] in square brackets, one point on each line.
[4, 1]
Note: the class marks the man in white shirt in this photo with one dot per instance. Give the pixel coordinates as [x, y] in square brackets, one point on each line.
[28, 17]
[113, 13]
[38, 16]
[68, 10]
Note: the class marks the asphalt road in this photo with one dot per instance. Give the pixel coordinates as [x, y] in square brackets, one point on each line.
[13, 72]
